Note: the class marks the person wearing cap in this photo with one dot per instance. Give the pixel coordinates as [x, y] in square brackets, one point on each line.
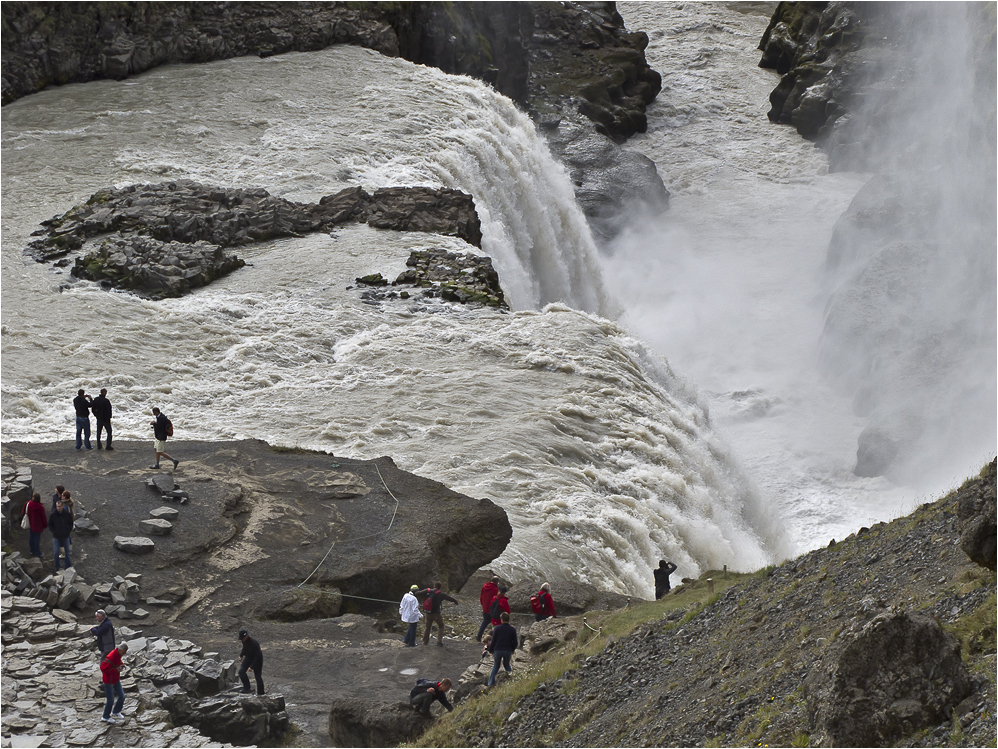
[410, 613]
[104, 632]
[252, 657]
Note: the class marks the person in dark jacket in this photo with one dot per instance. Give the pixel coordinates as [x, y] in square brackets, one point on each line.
[104, 632]
[547, 604]
[504, 642]
[433, 616]
[426, 691]
[101, 409]
[662, 584]
[37, 522]
[61, 525]
[161, 431]
[252, 657]
[82, 405]
[489, 591]
[59, 491]
[503, 606]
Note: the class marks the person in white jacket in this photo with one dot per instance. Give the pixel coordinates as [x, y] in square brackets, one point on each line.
[410, 613]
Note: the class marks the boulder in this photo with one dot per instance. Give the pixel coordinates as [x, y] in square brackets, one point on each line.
[897, 674]
[570, 598]
[165, 513]
[161, 482]
[296, 604]
[976, 517]
[362, 723]
[86, 527]
[134, 544]
[237, 719]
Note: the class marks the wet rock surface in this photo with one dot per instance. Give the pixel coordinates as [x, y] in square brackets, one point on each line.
[165, 240]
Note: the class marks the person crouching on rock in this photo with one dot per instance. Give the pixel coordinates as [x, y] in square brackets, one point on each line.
[252, 657]
[410, 613]
[110, 668]
[425, 691]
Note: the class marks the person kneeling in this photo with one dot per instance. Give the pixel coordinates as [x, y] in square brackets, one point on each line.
[426, 691]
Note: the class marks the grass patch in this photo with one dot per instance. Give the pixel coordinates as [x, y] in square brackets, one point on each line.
[976, 632]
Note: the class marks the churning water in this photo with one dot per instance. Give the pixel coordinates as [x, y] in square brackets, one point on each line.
[601, 453]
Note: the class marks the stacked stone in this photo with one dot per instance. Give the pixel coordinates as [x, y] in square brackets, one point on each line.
[17, 486]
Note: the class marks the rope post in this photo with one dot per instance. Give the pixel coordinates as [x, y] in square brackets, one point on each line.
[710, 586]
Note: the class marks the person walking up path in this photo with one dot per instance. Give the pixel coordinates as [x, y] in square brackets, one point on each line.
[101, 409]
[37, 522]
[433, 616]
[110, 667]
[82, 405]
[104, 632]
[162, 429]
[504, 642]
[61, 525]
[489, 592]
[252, 657]
[410, 613]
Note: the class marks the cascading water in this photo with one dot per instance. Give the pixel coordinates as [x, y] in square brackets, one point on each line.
[603, 458]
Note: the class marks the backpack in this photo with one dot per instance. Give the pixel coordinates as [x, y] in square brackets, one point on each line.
[535, 603]
[169, 428]
[495, 611]
[421, 685]
[428, 601]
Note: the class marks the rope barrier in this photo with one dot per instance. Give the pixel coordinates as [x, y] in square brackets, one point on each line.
[597, 631]
[360, 538]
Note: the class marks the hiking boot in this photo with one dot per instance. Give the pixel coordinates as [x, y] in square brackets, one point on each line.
[155, 466]
[100, 446]
[175, 463]
[109, 447]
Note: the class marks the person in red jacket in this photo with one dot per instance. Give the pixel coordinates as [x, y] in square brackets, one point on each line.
[489, 592]
[503, 605]
[110, 669]
[37, 522]
[547, 603]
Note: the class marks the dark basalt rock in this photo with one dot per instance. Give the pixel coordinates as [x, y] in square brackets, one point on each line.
[456, 277]
[977, 518]
[169, 239]
[357, 723]
[900, 673]
[243, 720]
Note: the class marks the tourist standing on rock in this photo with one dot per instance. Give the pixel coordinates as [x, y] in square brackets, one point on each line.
[61, 525]
[37, 522]
[410, 613]
[425, 691]
[546, 603]
[499, 604]
[162, 428]
[433, 616]
[504, 642]
[104, 632]
[59, 491]
[82, 405]
[662, 584]
[489, 592]
[252, 657]
[110, 668]
[101, 409]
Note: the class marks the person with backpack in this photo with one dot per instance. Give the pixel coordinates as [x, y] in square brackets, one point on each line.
[489, 591]
[504, 642]
[431, 608]
[410, 613]
[499, 604]
[162, 428]
[426, 691]
[542, 604]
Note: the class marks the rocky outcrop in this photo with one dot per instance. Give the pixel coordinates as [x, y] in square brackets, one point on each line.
[900, 673]
[572, 65]
[358, 723]
[977, 517]
[451, 276]
[168, 239]
[241, 720]
[300, 603]
[570, 597]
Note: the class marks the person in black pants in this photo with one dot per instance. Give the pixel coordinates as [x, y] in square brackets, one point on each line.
[662, 584]
[252, 660]
[100, 407]
[425, 692]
